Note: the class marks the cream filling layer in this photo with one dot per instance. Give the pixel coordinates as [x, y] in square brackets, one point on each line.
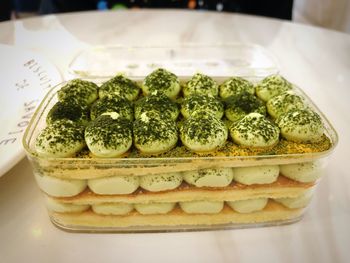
[220, 177]
[191, 207]
[114, 185]
[298, 202]
[248, 206]
[60, 187]
[202, 207]
[303, 172]
[113, 208]
[59, 207]
[161, 182]
[256, 174]
[154, 208]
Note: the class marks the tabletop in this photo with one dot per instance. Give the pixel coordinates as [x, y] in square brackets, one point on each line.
[315, 59]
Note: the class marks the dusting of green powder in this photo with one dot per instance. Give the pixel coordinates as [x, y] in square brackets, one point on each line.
[201, 84]
[160, 80]
[234, 86]
[60, 135]
[245, 102]
[81, 91]
[120, 85]
[301, 117]
[68, 110]
[116, 104]
[107, 131]
[197, 102]
[202, 128]
[159, 103]
[153, 130]
[257, 125]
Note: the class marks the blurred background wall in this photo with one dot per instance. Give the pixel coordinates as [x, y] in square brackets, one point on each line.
[332, 14]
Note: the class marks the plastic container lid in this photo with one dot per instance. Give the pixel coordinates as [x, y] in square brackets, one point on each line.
[224, 60]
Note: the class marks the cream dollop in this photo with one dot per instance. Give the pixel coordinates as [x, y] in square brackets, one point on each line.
[119, 86]
[81, 91]
[301, 125]
[272, 86]
[254, 130]
[241, 104]
[63, 138]
[203, 132]
[109, 135]
[283, 103]
[68, 110]
[203, 102]
[154, 134]
[201, 84]
[161, 80]
[116, 104]
[157, 102]
[234, 86]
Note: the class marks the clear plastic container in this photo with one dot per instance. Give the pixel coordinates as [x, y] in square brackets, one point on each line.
[76, 204]
[227, 60]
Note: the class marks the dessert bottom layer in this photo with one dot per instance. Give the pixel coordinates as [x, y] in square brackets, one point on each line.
[273, 212]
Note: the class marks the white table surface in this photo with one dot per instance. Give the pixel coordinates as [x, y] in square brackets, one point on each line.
[317, 60]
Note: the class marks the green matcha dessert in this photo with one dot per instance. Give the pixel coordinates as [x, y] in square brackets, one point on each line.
[201, 84]
[120, 86]
[271, 86]
[82, 91]
[301, 125]
[283, 103]
[115, 104]
[62, 138]
[109, 135]
[202, 132]
[154, 134]
[68, 110]
[157, 102]
[241, 104]
[234, 86]
[254, 130]
[203, 102]
[162, 81]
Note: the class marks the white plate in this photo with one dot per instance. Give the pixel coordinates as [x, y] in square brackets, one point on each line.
[25, 79]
